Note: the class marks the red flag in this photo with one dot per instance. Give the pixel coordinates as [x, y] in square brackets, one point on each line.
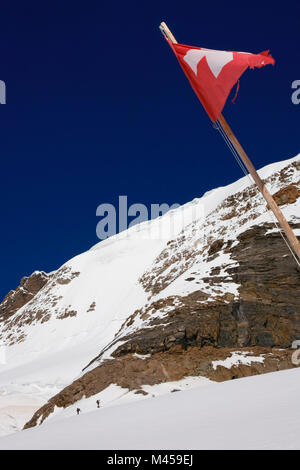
[212, 74]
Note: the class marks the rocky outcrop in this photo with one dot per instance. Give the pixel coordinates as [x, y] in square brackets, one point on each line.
[287, 195]
[28, 288]
[131, 372]
[15, 320]
[266, 312]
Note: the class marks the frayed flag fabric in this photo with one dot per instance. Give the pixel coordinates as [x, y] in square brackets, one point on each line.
[212, 74]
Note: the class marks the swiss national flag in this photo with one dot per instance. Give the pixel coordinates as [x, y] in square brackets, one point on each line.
[212, 74]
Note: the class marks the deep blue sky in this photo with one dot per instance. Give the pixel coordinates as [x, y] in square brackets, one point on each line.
[97, 107]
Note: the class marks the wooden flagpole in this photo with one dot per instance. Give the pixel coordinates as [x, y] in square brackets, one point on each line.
[294, 243]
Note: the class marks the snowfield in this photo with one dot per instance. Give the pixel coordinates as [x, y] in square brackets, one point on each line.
[260, 412]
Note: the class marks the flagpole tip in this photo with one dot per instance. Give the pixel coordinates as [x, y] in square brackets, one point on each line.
[166, 32]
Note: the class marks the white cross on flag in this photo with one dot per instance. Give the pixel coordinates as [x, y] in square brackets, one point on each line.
[212, 74]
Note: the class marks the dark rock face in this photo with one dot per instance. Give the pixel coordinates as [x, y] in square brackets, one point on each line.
[267, 312]
[28, 288]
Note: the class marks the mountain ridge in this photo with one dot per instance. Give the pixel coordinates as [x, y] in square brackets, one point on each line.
[221, 281]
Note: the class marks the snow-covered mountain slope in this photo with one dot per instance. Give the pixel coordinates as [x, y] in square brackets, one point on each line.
[253, 413]
[87, 300]
[138, 292]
